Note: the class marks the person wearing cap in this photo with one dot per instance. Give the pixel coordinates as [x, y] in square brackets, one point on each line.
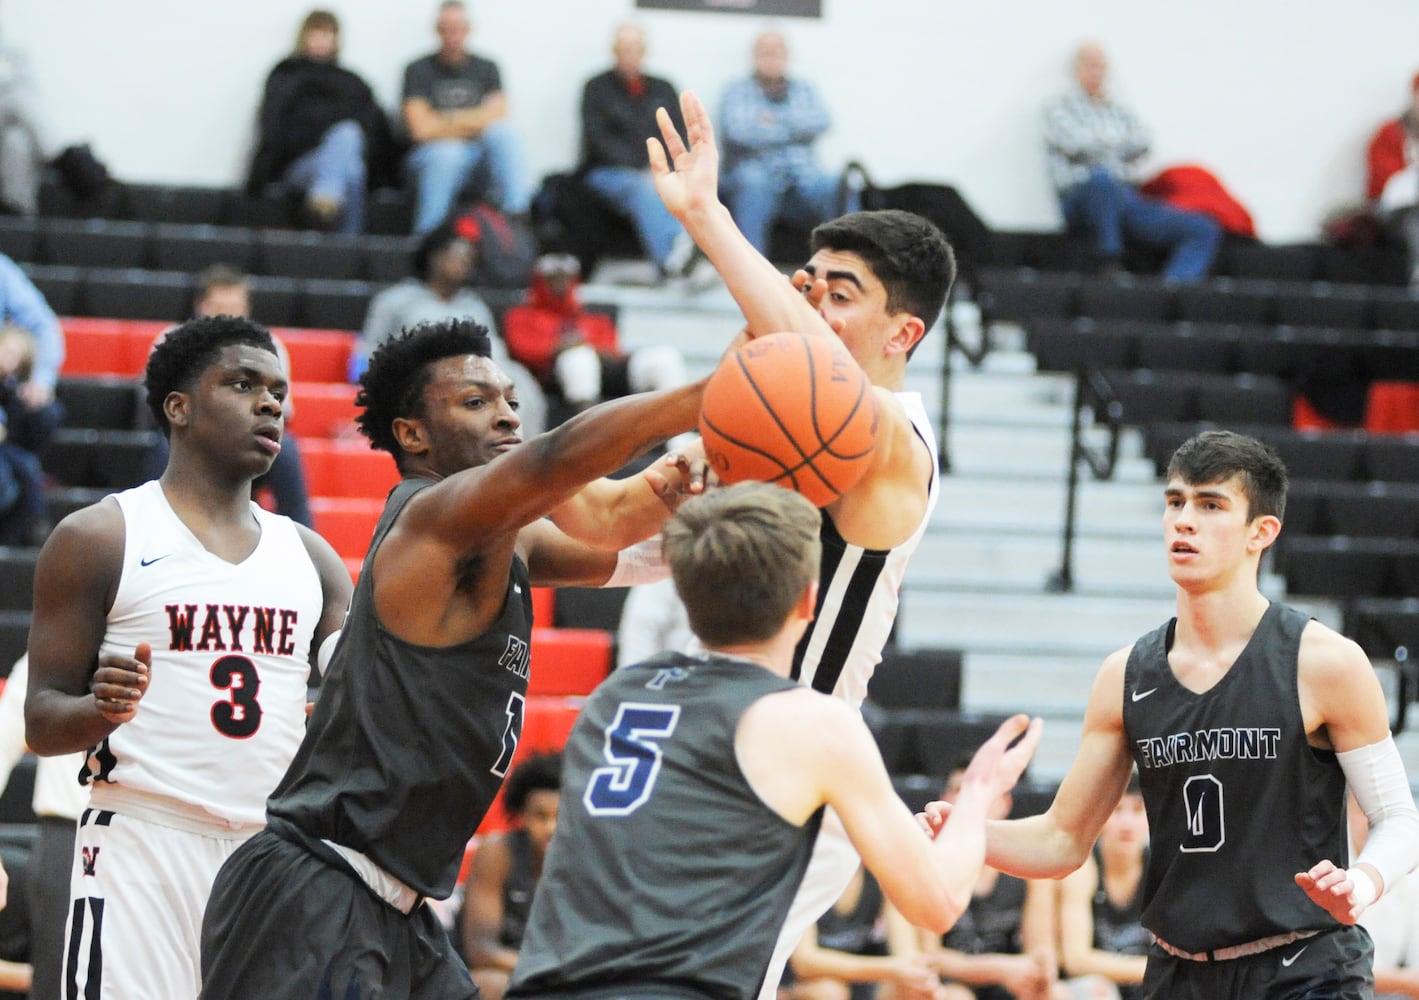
[574, 352]
[439, 289]
[1393, 187]
[617, 117]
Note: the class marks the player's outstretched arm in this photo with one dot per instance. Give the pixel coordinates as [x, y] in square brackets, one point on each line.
[76, 698]
[615, 513]
[686, 173]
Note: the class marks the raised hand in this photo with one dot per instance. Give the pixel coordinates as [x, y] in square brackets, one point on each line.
[686, 176]
[999, 768]
[120, 682]
[1330, 888]
[679, 475]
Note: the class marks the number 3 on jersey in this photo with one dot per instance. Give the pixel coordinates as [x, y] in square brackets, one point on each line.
[632, 752]
[239, 717]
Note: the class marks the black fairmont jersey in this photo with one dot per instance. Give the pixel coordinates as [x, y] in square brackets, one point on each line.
[409, 744]
[667, 869]
[1237, 800]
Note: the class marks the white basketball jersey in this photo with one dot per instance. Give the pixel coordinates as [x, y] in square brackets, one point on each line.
[225, 707]
[859, 593]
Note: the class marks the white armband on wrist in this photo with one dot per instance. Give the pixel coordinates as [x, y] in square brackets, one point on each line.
[1376, 776]
[322, 655]
[641, 563]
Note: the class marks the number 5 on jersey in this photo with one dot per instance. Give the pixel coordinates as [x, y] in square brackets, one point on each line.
[632, 752]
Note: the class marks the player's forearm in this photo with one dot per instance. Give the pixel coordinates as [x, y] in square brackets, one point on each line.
[1032, 848]
[828, 963]
[58, 723]
[767, 299]
[1114, 968]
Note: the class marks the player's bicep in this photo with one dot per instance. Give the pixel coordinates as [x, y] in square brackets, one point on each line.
[335, 586]
[75, 579]
[554, 559]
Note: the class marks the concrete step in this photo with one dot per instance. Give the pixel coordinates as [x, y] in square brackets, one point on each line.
[995, 562]
[981, 502]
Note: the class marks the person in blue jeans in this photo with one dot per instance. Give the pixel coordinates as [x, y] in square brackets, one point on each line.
[1094, 147]
[617, 117]
[454, 110]
[768, 125]
[319, 123]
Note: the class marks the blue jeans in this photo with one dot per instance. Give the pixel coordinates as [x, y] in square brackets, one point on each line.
[335, 170]
[440, 167]
[1108, 210]
[631, 193]
[758, 195]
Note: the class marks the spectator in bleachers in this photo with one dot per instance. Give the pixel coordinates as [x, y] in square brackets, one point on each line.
[57, 801]
[575, 352]
[617, 117]
[21, 148]
[455, 113]
[1003, 947]
[1393, 185]
[439, 289]
[653, 620]
[1101, 904]
[1095, 147]
[24, 431]
[505, 872]
[222, 290]
[319, 126]
[861, 949]
[23, 304]
[769, 122]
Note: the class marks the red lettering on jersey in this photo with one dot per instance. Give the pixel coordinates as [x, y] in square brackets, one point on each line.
[263, 639]
[180, 626]
[288, 625]
[211, 631]
[236, 618]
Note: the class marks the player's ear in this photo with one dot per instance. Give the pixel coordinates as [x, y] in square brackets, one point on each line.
[177, 408]
[908, 332]
[1264, 531]
[808, 603]
[409, 434]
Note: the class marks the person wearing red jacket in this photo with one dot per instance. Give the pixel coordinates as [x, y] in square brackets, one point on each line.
[1393, 186]
[575, 352]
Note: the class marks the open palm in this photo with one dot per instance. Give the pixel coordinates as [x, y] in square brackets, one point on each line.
[686, 176]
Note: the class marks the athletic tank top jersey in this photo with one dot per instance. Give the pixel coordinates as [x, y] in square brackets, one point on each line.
[518, 889]
[858, 593]
[859, 931]
[991, 923]
[1237, 800]
[1118, 929]
[651, 762]
[225, 707]
[409, 744]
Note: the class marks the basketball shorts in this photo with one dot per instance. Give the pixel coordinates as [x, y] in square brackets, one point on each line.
[1333, 965]
[830, 869]
[137, 891]
[284, 924]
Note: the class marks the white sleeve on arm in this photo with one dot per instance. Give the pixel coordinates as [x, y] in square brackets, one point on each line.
[1376, 777]
[643, 562]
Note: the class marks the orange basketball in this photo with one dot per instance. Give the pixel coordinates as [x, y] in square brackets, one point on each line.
[792, 410]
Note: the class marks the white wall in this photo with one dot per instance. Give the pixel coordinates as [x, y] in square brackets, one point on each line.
[1277, 96]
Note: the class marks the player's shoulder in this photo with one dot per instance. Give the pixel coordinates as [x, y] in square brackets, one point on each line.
[97, 524]
[1327, 656]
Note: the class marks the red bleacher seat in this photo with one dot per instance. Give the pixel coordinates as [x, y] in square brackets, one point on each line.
[568, 661]
[543, 601]
[318, 355]
[347, 523]
[323, 409]
[94, 346]
[547, 721]
[346, 468]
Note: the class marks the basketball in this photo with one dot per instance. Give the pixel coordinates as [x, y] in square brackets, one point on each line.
[792, 410]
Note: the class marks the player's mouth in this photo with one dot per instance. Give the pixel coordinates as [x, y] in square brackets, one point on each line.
[1183, 549]
[506, 444]
[269, 437]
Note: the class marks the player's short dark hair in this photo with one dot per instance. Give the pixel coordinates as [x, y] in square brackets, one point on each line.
[399, 371]
[187, 350]
[1216, 456]
[905, 251]
[741, 557]
[541, 772]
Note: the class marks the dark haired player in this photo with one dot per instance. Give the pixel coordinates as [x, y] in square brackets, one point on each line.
[422, 707]
[174, 628]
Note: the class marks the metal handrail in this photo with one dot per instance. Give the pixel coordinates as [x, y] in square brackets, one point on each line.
[974, 355]
[1091, 388]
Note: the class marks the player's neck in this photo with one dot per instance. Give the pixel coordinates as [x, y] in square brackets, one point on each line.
[772, 656]
[1216, 619]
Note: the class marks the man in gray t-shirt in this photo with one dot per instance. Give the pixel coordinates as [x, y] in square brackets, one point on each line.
[454, 111]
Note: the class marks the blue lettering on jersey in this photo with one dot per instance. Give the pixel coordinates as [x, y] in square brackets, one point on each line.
[515, 656]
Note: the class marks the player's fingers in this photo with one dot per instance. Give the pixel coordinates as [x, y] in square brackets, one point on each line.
[692, 107]
[655, 152]
[674, 145]
[143, 653]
